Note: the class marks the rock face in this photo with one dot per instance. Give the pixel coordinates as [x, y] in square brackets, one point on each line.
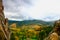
[55, 33]
[2, 17]
[54, 36]
[4, 32]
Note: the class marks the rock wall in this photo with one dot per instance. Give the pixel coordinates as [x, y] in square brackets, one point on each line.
[4, 31]
[2, 17]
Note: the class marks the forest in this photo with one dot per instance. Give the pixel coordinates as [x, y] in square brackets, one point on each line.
[30, 32]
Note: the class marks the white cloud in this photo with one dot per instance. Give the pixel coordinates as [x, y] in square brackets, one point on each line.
[44, 8]
[37, 9]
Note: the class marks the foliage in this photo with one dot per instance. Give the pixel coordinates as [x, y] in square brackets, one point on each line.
[29, 32]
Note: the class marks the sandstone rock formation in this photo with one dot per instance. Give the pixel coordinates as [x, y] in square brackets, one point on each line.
[4, 32]
[55, 33]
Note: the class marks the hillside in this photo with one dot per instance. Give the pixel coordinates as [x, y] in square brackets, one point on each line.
[28, 22]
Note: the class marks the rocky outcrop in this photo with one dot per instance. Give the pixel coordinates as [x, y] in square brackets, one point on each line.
[55, 33]
[4, 30]
[13, 25]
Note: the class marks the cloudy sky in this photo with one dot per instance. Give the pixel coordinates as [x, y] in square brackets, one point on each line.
[47, 10]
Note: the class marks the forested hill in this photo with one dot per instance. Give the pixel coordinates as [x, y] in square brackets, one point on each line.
[28, 22]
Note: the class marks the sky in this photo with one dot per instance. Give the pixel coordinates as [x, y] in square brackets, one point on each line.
[47, 10]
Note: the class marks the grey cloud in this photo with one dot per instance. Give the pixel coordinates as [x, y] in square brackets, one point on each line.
[14, 6]
[17, 17]
[9, 5]
[28, 2]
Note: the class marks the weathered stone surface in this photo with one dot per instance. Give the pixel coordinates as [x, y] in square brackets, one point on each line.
[55, 33]
[4, 31]
[1, 11]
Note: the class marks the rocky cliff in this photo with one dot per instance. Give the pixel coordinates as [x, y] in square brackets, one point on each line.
[4, 31]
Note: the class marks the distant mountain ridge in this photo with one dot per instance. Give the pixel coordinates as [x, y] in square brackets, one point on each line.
[28, 22]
